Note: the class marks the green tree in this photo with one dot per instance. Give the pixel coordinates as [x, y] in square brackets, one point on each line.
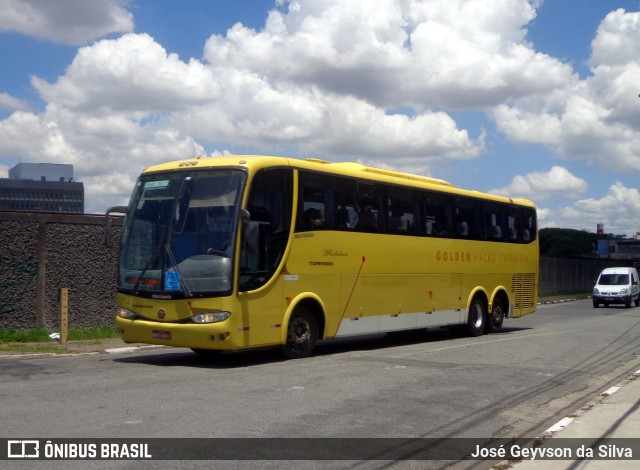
[565, 242]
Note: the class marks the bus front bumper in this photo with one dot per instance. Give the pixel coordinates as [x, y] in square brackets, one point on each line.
[216, 336]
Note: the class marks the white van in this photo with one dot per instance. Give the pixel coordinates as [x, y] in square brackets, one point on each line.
[617, 286]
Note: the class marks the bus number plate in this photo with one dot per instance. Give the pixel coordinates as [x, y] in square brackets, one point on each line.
[161, 334]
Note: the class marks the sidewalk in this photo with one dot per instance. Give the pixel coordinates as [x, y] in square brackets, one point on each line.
[614, 414]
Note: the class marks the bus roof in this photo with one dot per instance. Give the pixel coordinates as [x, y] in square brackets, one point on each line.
[356, 170]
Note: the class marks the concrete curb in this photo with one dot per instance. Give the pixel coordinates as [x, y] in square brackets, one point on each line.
[129, 349]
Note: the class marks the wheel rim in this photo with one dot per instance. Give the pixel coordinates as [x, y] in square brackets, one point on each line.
[497, 315]
[299, 333]
[476, 315]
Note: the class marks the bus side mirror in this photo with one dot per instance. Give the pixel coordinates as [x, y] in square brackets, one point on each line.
[108, 229]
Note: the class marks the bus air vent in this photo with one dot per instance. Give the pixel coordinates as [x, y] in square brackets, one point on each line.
[523, 286]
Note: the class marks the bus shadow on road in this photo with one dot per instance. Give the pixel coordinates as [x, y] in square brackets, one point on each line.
[237, 359]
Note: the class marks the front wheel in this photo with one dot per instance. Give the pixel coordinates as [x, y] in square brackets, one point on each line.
[477, 317]
[302, 334]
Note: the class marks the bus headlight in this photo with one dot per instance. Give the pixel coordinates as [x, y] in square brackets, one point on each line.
[624, 290]
[126, 314]
[596, 291]
[211, 317]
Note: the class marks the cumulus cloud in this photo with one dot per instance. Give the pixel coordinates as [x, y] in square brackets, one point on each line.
[13, 103]
[596, 119]
[538, 185]
[325, 78]
[455, 54]
[618, 210]
[73, 22]
[107, 151]
[131, 74]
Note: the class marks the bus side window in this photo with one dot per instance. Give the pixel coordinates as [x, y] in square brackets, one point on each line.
[468, 220]
[495, 221]
[317, 205]
[369, 201]
[437, 215]
[348, 215]
[522, 225]
[530, 224]
[513, 231]
[401, 210]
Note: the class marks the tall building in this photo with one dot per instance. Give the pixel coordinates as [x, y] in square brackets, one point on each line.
[41, 187]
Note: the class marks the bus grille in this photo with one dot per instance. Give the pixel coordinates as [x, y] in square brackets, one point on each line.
[523, 286]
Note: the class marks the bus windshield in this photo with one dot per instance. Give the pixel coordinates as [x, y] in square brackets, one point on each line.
[180, 232]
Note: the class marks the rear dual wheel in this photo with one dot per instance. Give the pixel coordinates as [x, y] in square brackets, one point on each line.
[480, 320]
[496, 317]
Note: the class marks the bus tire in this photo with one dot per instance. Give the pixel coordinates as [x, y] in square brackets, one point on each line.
[496, 317]
[302, 334]
[477, 319]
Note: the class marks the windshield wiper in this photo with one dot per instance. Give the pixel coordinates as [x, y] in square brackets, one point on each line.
[152, 259]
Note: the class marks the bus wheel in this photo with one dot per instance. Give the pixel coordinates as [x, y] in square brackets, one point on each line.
[302, 334]
[477, 317]
[494, 322]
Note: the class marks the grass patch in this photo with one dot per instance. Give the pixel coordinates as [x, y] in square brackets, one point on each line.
[31, 348]
[41, 335]
[36, 335]
[100, 332]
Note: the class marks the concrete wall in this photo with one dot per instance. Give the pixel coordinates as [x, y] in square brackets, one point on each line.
[570, 275]
[41, 253]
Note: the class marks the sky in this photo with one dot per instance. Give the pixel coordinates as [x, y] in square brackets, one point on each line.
[524, 98]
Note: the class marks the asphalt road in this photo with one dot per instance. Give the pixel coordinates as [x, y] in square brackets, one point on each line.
[433, 384]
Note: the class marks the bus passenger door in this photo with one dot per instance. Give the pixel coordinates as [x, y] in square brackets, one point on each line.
[266, 226]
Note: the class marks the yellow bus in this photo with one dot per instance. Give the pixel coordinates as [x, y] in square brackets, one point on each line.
[251, 251]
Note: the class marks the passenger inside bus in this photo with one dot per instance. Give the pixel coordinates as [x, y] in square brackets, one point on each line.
[312, 218]
[352, 217]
